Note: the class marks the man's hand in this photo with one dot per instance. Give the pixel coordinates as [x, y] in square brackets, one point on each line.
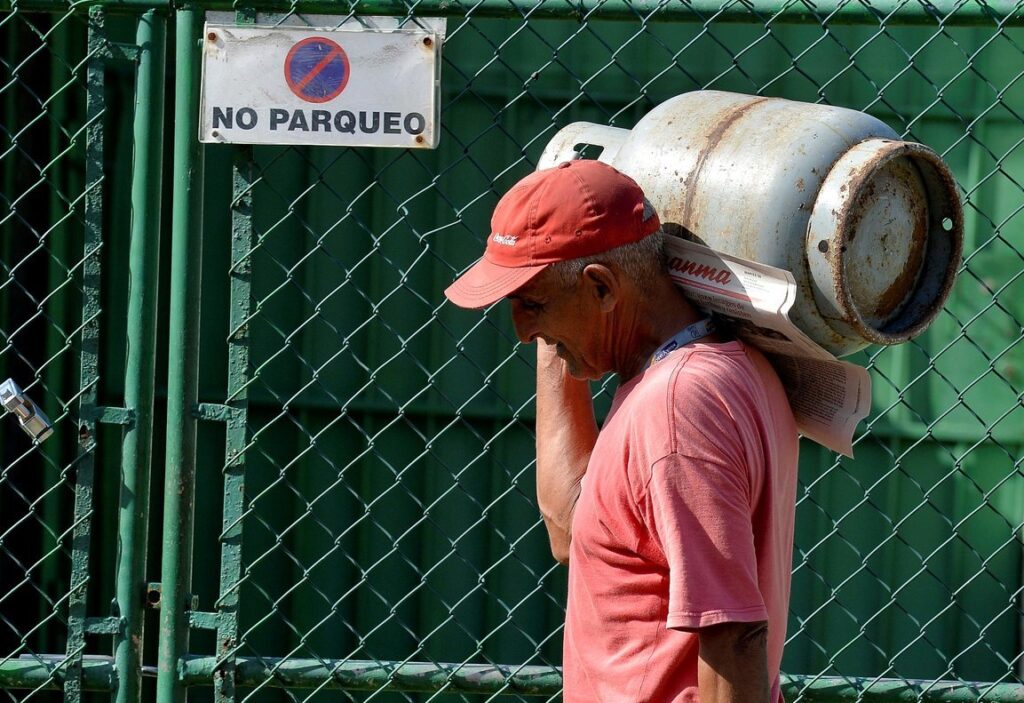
[733, 663]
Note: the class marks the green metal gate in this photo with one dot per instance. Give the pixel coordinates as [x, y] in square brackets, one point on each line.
[342, 463]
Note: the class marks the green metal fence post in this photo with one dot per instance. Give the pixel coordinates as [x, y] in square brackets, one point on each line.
[144, 263]
[91, 281]
[237, 435]
[183, 368]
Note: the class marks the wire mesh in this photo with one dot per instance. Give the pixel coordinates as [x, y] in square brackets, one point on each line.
[371, 503]
[48, 318]
[388, 512]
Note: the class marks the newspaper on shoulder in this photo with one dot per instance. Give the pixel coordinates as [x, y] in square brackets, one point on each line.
[828, 396]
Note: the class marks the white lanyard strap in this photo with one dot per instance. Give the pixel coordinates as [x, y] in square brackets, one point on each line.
[698, 330]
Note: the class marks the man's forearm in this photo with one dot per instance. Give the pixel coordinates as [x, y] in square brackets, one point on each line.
[566, 433]
[732, 666]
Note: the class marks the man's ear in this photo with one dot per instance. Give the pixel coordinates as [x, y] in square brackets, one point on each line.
[603, 284]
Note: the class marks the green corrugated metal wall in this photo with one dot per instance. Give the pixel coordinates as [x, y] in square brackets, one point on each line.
[395, 293]
[380, 340]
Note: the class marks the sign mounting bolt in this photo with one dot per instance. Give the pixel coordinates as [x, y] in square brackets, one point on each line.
[428, 42]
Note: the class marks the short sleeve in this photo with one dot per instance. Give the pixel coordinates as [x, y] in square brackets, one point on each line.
[700, 506]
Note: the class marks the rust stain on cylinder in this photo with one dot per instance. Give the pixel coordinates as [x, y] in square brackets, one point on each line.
[715, 137]
[849, 215]
[901, 289]
[871, 317]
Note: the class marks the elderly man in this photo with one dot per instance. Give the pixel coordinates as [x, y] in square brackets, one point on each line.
[676, 519]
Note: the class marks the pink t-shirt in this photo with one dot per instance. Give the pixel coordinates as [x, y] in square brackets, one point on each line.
[685, 520]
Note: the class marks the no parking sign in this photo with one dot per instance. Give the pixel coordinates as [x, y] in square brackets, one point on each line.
[366, 83]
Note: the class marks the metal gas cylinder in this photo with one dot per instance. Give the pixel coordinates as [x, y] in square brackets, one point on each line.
[870, 226]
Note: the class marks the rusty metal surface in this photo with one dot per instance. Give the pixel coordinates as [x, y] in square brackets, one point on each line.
[743, 174]
[891, 214]
[877, 251]
[728, 119]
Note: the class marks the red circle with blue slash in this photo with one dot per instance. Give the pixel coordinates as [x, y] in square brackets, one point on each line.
[317, 69]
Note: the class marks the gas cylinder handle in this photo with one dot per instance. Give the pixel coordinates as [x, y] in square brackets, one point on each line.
[563, 146]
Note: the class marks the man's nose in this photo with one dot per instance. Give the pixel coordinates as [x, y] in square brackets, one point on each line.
[525, 323]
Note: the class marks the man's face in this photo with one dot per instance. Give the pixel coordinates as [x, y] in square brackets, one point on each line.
[567, 317]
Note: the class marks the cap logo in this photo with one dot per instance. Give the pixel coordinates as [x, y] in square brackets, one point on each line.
[507, 240]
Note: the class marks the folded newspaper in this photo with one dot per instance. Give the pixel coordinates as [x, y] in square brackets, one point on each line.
[828, 396]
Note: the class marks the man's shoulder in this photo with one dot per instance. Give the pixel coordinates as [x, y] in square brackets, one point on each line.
[729, 375]
[699, 372]
[702, 377]
[720, 365]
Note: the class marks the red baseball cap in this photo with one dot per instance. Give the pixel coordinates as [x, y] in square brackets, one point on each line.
[575, 209]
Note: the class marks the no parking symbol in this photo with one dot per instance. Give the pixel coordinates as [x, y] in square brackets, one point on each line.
[317, 69]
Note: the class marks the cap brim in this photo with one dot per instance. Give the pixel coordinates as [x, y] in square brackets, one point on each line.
[485, 283]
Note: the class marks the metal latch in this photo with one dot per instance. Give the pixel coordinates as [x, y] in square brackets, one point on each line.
[32, 419]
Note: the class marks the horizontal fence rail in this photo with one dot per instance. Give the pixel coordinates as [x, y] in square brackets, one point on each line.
[98, 674]
[1007, 13]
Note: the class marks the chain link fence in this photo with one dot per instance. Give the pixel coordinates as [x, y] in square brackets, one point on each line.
[364, 514]
[49, 322]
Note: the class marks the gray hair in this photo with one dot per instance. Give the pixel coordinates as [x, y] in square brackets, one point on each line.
[642, 262]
